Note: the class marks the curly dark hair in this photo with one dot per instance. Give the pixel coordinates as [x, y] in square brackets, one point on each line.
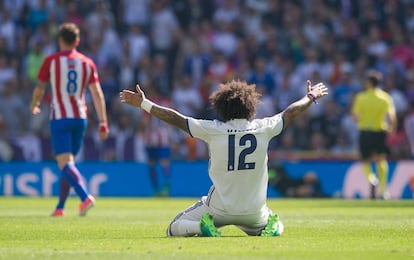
[235, 100]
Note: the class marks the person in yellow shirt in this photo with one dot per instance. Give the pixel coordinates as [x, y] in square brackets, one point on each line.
[374, 112]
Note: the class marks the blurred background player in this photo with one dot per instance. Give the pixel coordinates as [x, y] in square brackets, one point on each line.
[409, 128]
[238, 167]
[374, 112]
[158, 145]
[69, 72]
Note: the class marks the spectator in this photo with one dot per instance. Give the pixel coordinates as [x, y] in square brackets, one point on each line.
[165, 31]
[266, 106]
[286, 93]
[193, 11]
[109, 50]
[12, 108]
[317, 148]
[261, 77]
[138, 44]
[122, 133]
[34, 59]
[196, 63]
[73, 14]
[136, 12]
[349, 128]
[314, 28]
[327, 123]
[253, 23]
[286, 151]
[158, 41]
[126, 73]
[38, 15]
[225, 39]
[219, 70]
[398, 97]
[376, 47]
[6, 149]
[144, 73]
[186, 98]
[345, 89]
[228, 12]
[387, 65]
[8, 30]
[343, 149]
[403, 52]
[94, 20]
[160, 76]
[135, 145]
[30, 145]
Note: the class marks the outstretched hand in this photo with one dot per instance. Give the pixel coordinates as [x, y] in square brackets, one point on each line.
[316, 91]
[132, 98]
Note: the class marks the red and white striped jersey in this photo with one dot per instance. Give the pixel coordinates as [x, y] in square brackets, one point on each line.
[69, 72]
[158, 133]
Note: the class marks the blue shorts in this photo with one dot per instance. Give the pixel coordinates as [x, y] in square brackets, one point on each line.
[67, 135]
[156, 153]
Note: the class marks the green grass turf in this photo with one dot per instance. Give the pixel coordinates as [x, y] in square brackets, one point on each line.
[135, 229]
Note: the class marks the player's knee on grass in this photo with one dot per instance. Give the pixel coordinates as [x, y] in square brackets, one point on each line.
[183, 228]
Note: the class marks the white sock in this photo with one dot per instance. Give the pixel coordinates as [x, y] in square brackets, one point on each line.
[185, 228]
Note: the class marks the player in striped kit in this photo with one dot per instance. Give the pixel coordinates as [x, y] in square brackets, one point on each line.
[238, 158]
[158, 146]
[69, 72]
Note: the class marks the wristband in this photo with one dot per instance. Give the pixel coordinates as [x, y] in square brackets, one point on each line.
[103, 129]
[103, 126]
[312, 97]
[147, 105]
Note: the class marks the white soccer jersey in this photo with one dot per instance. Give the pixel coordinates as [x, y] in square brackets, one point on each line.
[238, 161]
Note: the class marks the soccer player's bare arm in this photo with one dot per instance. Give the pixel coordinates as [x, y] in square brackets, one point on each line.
[355, 108]
[100, 107]
[98, 100]
[295, 109]
[37, 97]
[392, 117]
[168, 115]
[313, 93]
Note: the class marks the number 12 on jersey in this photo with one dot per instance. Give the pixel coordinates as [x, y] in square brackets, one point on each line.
[250, 143]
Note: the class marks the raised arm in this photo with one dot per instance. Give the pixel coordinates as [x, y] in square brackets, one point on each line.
[313, 93]
[168, 115]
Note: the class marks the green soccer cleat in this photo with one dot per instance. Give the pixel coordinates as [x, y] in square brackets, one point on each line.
[207, 226]
[274, 227]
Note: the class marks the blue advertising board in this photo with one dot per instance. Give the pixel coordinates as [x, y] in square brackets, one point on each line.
[190, 179]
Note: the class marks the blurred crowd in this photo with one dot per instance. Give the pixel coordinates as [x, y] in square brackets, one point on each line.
[180, 50]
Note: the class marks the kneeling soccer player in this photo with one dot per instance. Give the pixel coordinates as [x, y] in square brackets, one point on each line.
[238, 158]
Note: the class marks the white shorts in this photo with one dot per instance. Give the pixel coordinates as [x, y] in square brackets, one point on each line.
[251, 224]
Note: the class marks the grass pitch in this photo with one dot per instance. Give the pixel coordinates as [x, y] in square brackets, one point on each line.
[135, 229]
